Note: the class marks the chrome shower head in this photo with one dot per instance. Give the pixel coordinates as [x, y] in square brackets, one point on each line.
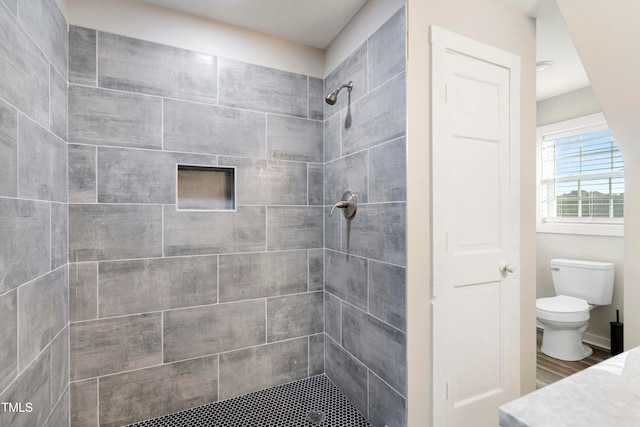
[333, 96]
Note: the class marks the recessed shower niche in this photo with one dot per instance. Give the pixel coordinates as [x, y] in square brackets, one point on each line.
[208, 188]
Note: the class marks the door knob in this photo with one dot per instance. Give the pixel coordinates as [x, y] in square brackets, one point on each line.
[506, 267]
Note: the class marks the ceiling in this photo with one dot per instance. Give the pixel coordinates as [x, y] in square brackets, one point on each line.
[316, 23]
[310, 22]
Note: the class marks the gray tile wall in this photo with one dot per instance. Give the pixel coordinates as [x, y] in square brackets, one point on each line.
[34, 326]
[365, 258]
[213, 303]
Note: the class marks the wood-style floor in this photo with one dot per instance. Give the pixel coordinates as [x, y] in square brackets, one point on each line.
[550, 370]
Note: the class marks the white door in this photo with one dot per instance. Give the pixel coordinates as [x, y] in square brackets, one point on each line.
[476, 298]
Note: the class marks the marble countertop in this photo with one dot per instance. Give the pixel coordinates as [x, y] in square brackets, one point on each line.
[606, 394]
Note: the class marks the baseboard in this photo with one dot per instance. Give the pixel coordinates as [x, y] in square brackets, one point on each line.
[591, 339]
[597, 341]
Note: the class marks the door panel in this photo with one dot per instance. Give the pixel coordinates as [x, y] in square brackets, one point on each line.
[475, 227]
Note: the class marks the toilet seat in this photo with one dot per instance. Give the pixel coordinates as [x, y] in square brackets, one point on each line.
[562, 308]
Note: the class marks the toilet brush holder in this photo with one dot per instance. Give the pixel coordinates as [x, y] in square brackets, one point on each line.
[617, 344]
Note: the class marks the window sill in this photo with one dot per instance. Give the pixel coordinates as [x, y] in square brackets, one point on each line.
[613, 230]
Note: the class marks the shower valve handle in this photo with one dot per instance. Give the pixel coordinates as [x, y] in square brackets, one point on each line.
[348, 204]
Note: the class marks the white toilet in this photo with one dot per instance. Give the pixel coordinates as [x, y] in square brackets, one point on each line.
[580, 286]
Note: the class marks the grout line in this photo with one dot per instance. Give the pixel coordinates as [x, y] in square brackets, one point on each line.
[97, 56]
[97, 267]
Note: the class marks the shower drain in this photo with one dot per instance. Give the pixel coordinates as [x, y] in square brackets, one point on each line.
[315, 417]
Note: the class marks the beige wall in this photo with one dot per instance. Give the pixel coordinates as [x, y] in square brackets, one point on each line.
[577, 103]
[369, 18]
[594, 248]
[493, 24]
[152, 23]
[611, 61]
[568, 106]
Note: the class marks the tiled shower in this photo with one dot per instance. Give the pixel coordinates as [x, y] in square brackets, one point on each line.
[164, 309]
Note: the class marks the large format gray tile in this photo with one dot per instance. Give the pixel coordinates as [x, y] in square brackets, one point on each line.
[333, 316]
[354, 68]
[82, 173]
[294, 227]
[42, 310]
[58, 104]
[387, 50]
[378, 232]
[193, 233]
[140, 66]
[386, 406]
[259, 275]
[45, 22]
[140, 286]
[141, 176]
[387, 293]
[201, 331]
[255, 87]
[315, 182]
[291, 138]
[59, 235]
[25, 70]
[83, 291]
[346, 277]
[316, 354]
[347, 373]
[8, 338]
[347, 173]
[109, 232]
[26, 234]
[82, 56]
[295, 316]
[378, 117]
[8, 150]
[106, 346]
[59, 365]
[149, 393]
[60, 412]
[316, 269]
[388, 172]
[200, 128]
[42, 163]
[257, 368]
[107, 117]
[332, 138]
[333, 229]
[378, 345]
[316, 98]
[268, 182]
[12, 5]
[34, 386]
[84, 403]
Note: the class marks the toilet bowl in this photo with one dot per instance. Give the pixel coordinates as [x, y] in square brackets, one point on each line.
[564, 319]
[580, 286]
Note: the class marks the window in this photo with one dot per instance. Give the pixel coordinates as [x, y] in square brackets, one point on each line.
[580, 178]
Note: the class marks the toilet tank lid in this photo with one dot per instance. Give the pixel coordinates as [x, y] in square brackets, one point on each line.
[562, 304]
[593, 265]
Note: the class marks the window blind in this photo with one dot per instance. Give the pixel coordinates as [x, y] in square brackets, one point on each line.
[582, 173]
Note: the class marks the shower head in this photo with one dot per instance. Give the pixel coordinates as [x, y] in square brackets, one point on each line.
[333, 96]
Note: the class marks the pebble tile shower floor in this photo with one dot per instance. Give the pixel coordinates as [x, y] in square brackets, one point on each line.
[280, 406]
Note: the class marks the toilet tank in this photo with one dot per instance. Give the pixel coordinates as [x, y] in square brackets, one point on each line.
[590, 280]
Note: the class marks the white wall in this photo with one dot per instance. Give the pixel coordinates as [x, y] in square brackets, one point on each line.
[493, 24]
[152, 23]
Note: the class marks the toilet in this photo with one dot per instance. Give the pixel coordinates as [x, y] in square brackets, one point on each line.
[580, 287]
